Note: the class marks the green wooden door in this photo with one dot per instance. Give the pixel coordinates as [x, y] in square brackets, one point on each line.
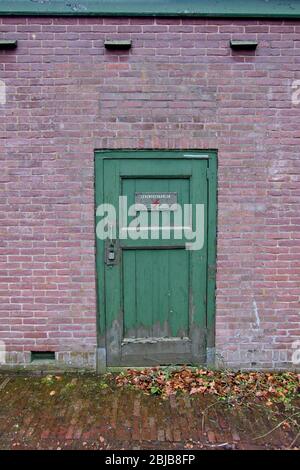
[152, 285]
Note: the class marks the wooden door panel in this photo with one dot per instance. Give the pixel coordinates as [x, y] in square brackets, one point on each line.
[155, 298]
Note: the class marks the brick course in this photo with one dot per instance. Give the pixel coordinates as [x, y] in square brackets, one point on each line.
[179, 87]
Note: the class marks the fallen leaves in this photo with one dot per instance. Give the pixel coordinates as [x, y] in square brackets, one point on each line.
[51, 379]
[225, 385]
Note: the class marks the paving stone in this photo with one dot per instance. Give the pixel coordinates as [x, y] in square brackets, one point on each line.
[173, 402]
[152, 427]
[4, 383]
[136, 408]
[211, 437]
[177, 435]
[169, 434]
[122, 419]
[235, 436]
[135, 431]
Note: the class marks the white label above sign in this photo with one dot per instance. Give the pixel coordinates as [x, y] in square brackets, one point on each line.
[156, 201]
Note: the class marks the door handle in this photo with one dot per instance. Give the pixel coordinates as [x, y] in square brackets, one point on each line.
[112, 252]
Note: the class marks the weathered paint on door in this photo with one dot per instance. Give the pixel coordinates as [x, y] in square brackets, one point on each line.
[153, 301]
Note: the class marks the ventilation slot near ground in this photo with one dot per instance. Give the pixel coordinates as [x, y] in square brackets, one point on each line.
[42, 356]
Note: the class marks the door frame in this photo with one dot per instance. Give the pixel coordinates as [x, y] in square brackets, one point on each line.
[211, 157]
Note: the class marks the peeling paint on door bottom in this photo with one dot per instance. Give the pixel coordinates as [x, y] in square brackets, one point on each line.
[154, 340]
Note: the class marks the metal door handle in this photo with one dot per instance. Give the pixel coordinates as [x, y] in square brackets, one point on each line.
[112, 252]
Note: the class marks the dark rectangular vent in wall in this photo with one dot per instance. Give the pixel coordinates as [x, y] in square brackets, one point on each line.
[42, 356]
[8, 44]
[117, 44]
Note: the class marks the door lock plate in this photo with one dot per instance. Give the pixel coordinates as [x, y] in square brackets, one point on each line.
[112, 252]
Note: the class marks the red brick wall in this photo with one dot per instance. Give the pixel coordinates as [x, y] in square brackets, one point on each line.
[180, 86]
